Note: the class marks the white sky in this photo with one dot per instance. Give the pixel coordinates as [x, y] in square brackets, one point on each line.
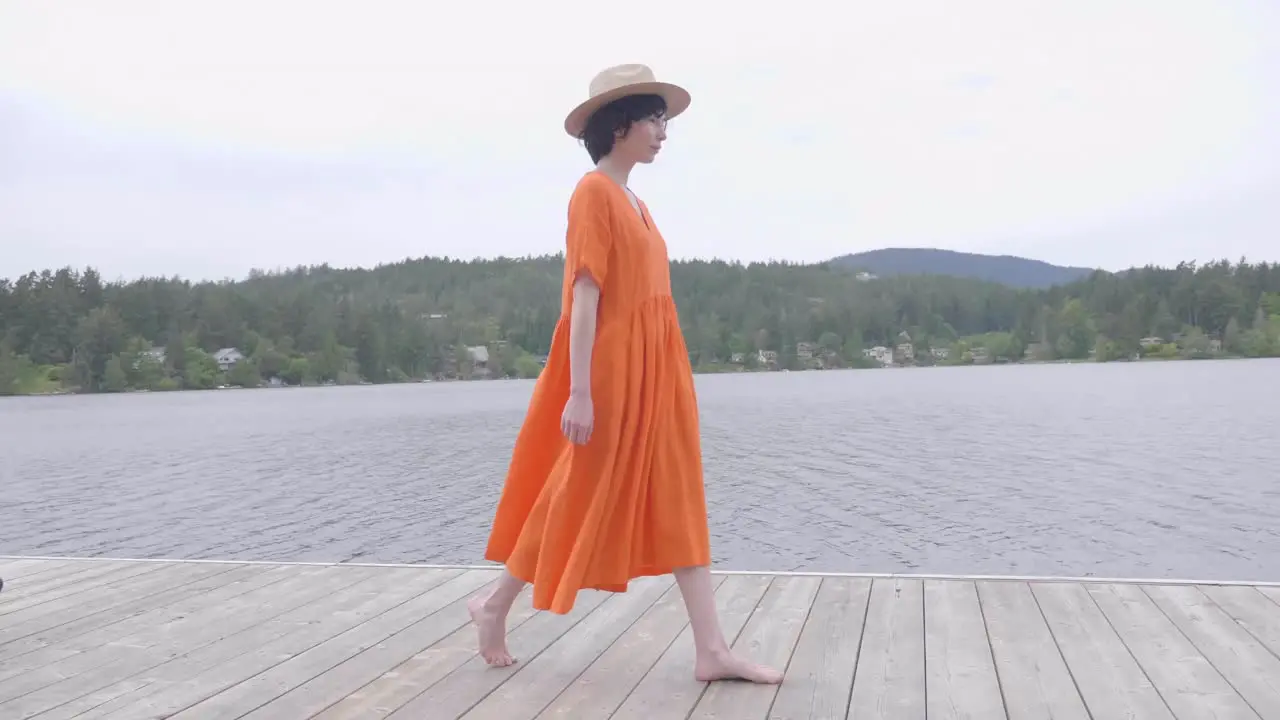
[207, 139]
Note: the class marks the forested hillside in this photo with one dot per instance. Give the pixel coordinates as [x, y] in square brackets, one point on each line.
[1004, 269]
[69, 330]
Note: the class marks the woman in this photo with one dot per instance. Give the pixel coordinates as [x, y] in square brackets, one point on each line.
[605, 483]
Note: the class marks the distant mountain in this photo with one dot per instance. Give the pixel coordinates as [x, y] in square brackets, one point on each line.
[1006, 269]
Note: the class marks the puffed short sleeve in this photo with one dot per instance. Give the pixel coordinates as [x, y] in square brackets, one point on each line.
[589, 238]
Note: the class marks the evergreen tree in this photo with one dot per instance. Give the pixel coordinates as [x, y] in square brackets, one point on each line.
[415, 319]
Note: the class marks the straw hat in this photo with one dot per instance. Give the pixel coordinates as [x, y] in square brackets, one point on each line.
[620, 81]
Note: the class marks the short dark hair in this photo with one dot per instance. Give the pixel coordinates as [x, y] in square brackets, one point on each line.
[618, 116]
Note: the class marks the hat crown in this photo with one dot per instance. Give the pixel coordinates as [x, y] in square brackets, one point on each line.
[620, 76]
[620, 81]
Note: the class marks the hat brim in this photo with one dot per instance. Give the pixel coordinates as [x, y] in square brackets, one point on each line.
[677, 102]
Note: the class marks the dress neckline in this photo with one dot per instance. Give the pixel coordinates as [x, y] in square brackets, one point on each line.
[639, 208]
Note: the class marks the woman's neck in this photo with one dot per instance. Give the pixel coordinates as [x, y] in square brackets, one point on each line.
[618, 171]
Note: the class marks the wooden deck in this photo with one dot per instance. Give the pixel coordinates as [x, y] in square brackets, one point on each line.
[155, 639]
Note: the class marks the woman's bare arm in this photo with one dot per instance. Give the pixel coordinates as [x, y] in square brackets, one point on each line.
[582, 334]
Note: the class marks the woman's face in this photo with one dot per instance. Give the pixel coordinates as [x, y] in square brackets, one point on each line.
[643, 140]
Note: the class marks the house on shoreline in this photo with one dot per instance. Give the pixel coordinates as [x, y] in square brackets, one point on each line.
[227, 358]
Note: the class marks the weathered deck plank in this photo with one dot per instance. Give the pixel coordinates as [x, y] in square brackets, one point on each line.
[205, 673]
[668, 690]
[260, 653]
[397, 685]
[14, 569]
[388, 609]
[45, 688]
[534, 686]
[769, 637]
[612, 677]
[1111, 682]
[889, 682]
[114, 604]
[1254, 610]
[121, 639]
[820, 676]
[960, 673]
[426, 630]
[472, 682]
[23, 600]
[1243, 661]
[1036, 682]
[1188, 682]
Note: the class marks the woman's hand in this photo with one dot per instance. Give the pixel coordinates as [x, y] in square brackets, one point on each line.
[576, 422]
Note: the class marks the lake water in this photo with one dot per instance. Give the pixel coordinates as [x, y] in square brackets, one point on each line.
[1134, 470]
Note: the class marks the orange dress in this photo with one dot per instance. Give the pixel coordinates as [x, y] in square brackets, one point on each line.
[630, 502]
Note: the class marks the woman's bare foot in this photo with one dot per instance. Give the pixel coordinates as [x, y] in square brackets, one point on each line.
[727, 666]
[492, 629]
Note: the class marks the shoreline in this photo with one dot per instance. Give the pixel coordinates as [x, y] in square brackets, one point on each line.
[725, 371]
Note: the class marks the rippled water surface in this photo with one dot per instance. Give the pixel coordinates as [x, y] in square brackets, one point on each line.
[1152, 470]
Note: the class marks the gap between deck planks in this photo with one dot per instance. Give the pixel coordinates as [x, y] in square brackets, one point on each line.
[118, 639]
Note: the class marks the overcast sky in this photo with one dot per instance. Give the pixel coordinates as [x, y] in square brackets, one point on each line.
[207, 139]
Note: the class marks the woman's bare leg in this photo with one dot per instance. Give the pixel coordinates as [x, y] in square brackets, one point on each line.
[713, 658]
[489, 613]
